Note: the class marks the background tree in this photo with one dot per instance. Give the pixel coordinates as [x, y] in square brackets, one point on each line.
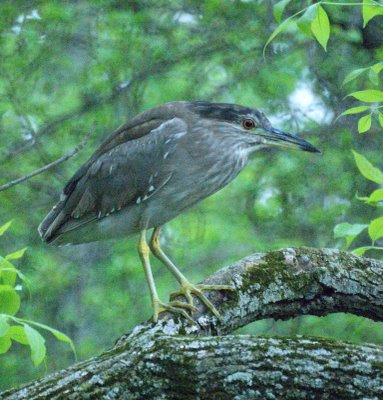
[68, 65]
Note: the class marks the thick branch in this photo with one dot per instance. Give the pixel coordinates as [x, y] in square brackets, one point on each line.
[181, 361]
[179, 367]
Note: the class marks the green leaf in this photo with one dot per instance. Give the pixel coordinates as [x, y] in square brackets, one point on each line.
[4, 227]
[380, 117]
[368, 96]
[5, 344]
[4, 326]
[278, 10]
[348, 231]
[353, 74]
[8, 272]
[64, 338]
[276, 32]
[361, 250]
[370, 9]
[16, 255]
[9, 277]
[9, 300]
[345, 229]
[367, 169]
[355, 110]
[377, 67]
[375, 197]
[364, 123]
[375, 229]
[320, 27]
[17, 334]
[373, 77]
[59, 335]
[37, 344]
[304, 22]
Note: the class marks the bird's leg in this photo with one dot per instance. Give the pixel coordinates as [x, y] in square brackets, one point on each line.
[187, 288]
[158, 306]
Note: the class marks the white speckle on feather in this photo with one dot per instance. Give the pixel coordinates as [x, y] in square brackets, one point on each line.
[145, 197]
[166, 155]
[62, 197]
[110, 170]
[151, 179]
[112, 210]
[99, 214]
[151, 188]
[138, 201]
[179, 134]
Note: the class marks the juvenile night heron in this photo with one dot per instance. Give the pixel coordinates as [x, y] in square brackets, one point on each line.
[154, 167]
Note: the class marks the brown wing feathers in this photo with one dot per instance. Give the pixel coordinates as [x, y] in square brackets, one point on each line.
[75, 195]
[118, 173]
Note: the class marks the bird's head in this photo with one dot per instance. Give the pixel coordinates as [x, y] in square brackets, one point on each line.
[251, 125]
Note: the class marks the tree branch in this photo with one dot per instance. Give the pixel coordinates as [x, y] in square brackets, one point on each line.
[47, 166]
[182, 361]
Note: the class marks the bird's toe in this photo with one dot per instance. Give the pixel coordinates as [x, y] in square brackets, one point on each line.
[174, 307]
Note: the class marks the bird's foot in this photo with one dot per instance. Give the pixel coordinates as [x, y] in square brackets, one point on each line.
[175, 307]
[188, 289]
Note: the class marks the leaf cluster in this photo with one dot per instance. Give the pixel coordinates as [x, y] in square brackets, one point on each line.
[375, 228]
[313, 19]
[15, 329]
[314, 22]
[371, 96]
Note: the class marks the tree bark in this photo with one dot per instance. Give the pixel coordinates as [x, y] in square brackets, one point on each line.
[176, 360]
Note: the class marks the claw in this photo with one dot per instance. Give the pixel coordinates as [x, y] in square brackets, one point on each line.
[175, 307]
[187, 289]
[180, 304]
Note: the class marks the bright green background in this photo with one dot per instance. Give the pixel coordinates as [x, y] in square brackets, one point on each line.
[65, 65]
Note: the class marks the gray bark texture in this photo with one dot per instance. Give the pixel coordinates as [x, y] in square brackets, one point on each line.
[176, 360]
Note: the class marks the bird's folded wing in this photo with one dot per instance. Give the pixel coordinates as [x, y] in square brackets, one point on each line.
[127, 174]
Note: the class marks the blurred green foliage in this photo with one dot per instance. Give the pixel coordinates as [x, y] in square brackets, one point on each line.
[14, 329]
[314, 22]
[375, 199]
[65, 65]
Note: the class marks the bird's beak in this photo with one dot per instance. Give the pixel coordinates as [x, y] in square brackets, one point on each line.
[275, 137]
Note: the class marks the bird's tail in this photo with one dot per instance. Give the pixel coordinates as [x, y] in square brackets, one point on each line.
[51, 222]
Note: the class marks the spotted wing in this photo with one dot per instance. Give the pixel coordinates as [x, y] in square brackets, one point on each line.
[128, 173]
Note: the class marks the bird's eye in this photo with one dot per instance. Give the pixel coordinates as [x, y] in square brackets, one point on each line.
[248, 123]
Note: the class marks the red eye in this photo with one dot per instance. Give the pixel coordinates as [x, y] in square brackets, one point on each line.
[248, 123]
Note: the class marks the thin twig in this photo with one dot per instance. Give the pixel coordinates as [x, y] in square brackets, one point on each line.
[50, 165]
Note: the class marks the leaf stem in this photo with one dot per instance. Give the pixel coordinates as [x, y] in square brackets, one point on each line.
[282, 24]
[329, 3]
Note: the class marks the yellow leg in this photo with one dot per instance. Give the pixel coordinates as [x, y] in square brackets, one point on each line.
[158, 306]
[187, 289]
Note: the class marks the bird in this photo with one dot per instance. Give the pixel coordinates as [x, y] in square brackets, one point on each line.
[151, 169]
